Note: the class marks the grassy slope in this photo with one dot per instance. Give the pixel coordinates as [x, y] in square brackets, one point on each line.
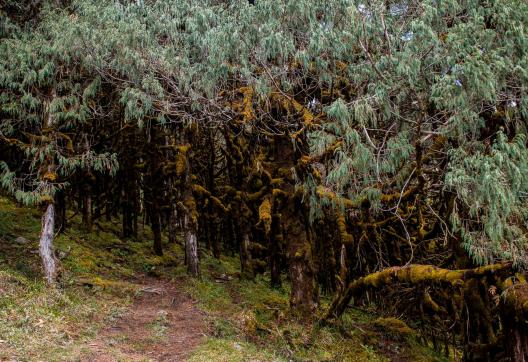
[247, 320]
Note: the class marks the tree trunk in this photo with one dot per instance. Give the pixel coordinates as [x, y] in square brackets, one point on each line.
[302, 297]
[156, 229]
[343, 271]
[215, 239]
[245, 257]
[136, 211]
[173, 227]
[60, 212]
[191, 250]
[517, 344]
[87, 211]
[275, 254]
[127, 220]
[514, 319]
[46, 244]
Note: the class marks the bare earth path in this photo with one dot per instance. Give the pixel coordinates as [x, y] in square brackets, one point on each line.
[162, 325]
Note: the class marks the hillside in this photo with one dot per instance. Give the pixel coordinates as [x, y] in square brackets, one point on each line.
[116, 300]
[305, 180]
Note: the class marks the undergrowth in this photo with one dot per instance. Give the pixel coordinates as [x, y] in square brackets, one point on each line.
[96, 284]
[248, 320]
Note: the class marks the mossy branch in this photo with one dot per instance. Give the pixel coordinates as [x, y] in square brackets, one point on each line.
[412, 274]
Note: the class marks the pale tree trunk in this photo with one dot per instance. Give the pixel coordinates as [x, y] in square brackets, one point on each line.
[191, 250]
[48, 219]
[46, 244]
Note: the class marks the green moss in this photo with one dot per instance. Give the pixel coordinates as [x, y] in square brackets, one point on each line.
[252, 316]
[159, 326]
[248, 319]
[227, 350]
[393, 325]
[212, 296]
[38, 323]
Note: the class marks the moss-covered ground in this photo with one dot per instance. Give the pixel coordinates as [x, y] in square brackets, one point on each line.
[247, 320]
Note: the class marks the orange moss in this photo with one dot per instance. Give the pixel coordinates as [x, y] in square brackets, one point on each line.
[293, 107]
[265, 214]
[49, 176]
[181, 159]
[245, 106]
[190, 205]
[346, 238]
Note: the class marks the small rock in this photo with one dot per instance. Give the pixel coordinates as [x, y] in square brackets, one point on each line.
[22, 240]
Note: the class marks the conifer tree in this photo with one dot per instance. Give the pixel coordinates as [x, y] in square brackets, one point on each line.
[330, 139]
[45, 115]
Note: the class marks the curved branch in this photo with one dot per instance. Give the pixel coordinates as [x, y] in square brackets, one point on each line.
[412, 274]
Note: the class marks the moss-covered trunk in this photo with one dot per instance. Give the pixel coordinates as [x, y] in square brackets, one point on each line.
[302, 297]
[245, 256]
[515, 321]
[276, 238]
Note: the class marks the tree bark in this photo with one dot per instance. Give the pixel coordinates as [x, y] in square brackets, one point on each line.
[60, 212]
[302, 297]
[156, 230]
[514, 319]
[245, 257]
[46, 244]
[191, 250]
[517, 344]
[275, 255]
[173, 227]
[215, 239]
[87, 211]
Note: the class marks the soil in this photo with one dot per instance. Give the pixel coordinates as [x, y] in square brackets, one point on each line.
[163, 324]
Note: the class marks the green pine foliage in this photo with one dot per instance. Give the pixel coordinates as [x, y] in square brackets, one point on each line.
[329, 138]
[401, 72]
[492, 184]
[47, 105]
[430, 69]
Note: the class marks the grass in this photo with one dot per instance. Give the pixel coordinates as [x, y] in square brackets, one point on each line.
[160, 325]
[247, 320]
[228, 350]
[96, 287]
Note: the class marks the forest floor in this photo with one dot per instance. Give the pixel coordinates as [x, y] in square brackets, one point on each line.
[162, 324]
[117, 301]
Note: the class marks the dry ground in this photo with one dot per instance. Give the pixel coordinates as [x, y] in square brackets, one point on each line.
[163, 324]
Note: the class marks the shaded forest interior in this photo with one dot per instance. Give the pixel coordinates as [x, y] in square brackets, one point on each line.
[366, 153]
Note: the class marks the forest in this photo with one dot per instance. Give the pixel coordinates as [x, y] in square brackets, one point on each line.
[357, 155]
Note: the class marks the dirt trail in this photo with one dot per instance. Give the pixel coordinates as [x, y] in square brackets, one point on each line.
[162, 325]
